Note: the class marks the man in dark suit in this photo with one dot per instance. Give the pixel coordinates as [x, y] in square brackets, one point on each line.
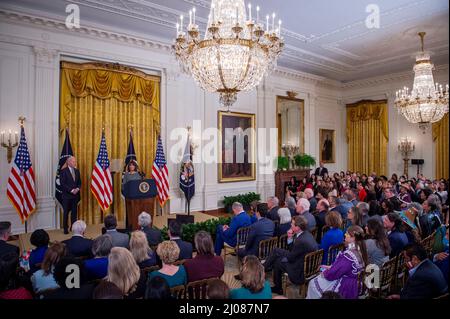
[262, 229]
[153, 235]
[175, 235]
[272, 204]
[300, 243]
[425, 279]
[119, 239]
[70, 185]
[77, 245]
[5, 232]
[321, 170]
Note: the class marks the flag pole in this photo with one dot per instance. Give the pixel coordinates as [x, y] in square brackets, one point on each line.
[21, 120]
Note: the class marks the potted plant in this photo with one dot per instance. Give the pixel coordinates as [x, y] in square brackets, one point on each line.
[283, 163]
[304, 160]
[244, 199]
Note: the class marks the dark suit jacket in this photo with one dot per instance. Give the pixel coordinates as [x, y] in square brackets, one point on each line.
[262, 229]
[427, 282]
[304, 244]
[6, 248]
[273, 213]
[78, 246]
[153, 235]
[67, 183]
[324, 170]
[185, 249]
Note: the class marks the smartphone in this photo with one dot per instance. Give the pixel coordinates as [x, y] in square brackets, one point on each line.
[322, 269]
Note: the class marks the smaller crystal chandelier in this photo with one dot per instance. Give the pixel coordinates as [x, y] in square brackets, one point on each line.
[427, 102]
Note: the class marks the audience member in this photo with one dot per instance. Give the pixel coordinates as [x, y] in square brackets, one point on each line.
[334, 235]
[168, 252]
[141, 251]
[39, 239]
[354, 217]
[77, 245]
[12, 284]
[254, 283]
[157, 288]
[43, 279]
[312, 200]
[107, 290]
[118, 239]
[396, 233]
[290, 204]
[205, 264]
[272, 205]
[431, 218]
[217, 289]
[5, 232]
[154, 236]
[322, 208]
[97, 267]
[377, 243]
[303, 209]
[285, 221]
[175, 232]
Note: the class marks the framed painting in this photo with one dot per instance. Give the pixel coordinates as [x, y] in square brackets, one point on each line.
[327, 145]
[236, 147]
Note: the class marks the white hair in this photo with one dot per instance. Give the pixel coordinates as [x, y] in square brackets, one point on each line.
[274, 200]
[79, 227]
[285, 215]
[304, 203]
[144, 219]
[309, 192]
[237, 205]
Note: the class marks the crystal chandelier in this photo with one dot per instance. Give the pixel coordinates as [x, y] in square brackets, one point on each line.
[427, 102]
[235, 53]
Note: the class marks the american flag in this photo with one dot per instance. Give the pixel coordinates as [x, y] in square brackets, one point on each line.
[101, 184]
[160, 174]
[20, 189]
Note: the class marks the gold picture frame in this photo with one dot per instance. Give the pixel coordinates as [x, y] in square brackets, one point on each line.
[233, 171]
[327, 145]
[290, 98]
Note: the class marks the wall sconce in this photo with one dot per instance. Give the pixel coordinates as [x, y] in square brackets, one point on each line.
[6, 140]
[406, 147]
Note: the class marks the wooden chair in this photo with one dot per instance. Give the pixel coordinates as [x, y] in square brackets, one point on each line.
[363, 292]
[311, 269]
[401, 272]
[386, 276]
[178, 292]
[333, 251]
[197, 289]
[428, 243]
[148, 270]
[265, 248]
[241, 240]
[282, 241]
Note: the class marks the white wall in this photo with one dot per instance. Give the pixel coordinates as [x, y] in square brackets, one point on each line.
[31, 49]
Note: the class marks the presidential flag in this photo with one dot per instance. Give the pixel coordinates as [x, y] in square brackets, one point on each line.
[66, 152]
[20, 189]
[131, 154]
[101, 184]
[187, 181]
[160, 174]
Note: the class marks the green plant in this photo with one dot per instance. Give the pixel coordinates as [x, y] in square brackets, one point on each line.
[282, 162]
[304, 160]
[244, 199]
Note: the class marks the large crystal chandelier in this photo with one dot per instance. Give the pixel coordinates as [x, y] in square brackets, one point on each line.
[427, 102]
[235, 53]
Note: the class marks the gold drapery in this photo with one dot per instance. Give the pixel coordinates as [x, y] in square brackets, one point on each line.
[96, 95]
[440, 139]
[367, 136]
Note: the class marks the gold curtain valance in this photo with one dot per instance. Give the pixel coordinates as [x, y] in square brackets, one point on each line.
[368, 110]
[106, 81]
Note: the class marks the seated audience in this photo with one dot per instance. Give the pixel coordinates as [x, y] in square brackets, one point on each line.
[342, 275]
[254, 283]
[273, 206]
[154, 236]
[344, 204]
[124, 272]
[362, 194]
[97, 267]
[205, 264]
[441, 261]
[12, 279]
[334, 235]
[364, 210]
[175, 232]
[425, 280]
[66, 281]
[107, 290]
[303, 209]
[43, 279]
[217, 289]
[118, 239]
[141, 251]
[312, 200]
[157, 288]
[377, 243]
[431, 218]
[322, 209]
[354, 217]
[168, 252]
[262, 229]
[77, 245]
[396, 234]
[39, 239]
[5, 232]
[285, 221]
[300, 243]
[290, 204]
[227, 234]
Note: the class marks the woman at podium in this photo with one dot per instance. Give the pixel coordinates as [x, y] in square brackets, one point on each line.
[131, 173]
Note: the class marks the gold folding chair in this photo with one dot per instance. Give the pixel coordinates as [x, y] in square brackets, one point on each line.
[386, 277]
[241, 240]
[282, 241]
[198, 289]
[428, 243]
[265, 248]
[333, 251]
[178, 292]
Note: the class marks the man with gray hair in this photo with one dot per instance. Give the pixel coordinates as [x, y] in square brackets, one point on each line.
[290, 203]
[153, 235]
[303, 209]
[312, 200]
[364, 209]
[272, 204]
[77, 245]
[227, 234]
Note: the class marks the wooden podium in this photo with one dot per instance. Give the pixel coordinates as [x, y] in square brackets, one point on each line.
[282, 177]
[139, 196]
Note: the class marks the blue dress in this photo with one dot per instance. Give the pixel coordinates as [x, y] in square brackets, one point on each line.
[333, 236]
[96, 268]
[177, 279]
[244, 293]
[37, 257]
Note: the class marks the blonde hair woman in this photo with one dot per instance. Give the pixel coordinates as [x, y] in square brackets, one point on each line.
[168, 252]
[124, 272]
[254, 283]
[140, 250]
